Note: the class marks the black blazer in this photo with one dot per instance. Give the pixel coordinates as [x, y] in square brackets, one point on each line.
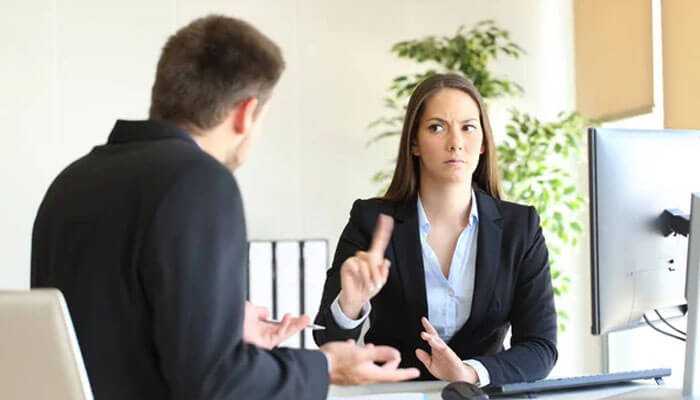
[513, 287]
[146, 238]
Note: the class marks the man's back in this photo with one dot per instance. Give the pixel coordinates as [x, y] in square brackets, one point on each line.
[145, 237]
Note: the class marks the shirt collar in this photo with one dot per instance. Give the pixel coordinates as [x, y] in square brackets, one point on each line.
[133, 131]
[424, 224]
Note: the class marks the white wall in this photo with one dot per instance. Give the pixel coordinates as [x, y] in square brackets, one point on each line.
[69, 68]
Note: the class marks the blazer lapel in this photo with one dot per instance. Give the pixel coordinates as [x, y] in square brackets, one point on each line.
[488, 257]
[409, 258]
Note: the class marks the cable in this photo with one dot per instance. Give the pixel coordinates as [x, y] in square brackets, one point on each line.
[661, 331]
[669, 324]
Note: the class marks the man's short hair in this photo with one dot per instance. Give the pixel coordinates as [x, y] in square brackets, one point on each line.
[209, 66]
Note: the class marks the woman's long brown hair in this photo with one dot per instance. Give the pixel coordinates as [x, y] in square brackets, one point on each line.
[405, 182]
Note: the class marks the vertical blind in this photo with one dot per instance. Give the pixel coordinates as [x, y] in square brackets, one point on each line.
[681, 53]
[614, 61]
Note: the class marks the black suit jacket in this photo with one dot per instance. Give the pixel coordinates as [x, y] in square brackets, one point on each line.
[513, 287]
[145, 236]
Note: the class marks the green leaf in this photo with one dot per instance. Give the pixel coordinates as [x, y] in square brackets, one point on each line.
[576, 227]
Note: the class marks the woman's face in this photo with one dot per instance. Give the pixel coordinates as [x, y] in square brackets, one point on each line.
[450, 137]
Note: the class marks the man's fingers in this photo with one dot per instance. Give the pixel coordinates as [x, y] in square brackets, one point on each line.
[303, 320]
[381, 354]
[380, 374]
[262, 312]
[381, 237]
[297, 325]
[259, 311]
[390, 365]
[284, 325]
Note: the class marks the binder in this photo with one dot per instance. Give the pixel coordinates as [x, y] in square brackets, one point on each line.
[260, 273]
[287, 283]
[315, 257]
[287, 276]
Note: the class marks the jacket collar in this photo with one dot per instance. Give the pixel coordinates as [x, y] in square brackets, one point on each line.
[408, 209]
[133, 131]
[406, 242]
[488, 262]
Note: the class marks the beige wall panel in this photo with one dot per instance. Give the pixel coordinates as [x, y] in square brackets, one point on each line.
[681, 63]
[613, 47]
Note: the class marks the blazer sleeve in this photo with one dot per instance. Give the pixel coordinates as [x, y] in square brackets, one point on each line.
[354, 238]
[194, 279]
[533, 351]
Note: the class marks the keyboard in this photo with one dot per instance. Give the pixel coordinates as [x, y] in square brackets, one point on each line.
[578, 382]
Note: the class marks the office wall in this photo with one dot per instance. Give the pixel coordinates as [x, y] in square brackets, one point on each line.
[69, 68]
[681, 62]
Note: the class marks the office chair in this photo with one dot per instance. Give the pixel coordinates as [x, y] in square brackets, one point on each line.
[39, 353]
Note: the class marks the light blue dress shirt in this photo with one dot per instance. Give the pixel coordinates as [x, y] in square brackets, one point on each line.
[449, 298]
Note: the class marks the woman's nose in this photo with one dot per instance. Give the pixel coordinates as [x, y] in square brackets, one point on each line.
[456, 142]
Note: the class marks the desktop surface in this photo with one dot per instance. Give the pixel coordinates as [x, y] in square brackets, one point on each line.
[431, 391]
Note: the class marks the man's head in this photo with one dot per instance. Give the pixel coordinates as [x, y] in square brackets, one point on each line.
[213, 79]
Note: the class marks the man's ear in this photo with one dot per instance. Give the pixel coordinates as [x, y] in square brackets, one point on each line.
[244, 115]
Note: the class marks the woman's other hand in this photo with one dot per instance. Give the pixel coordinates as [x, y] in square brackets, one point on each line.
[443, 363]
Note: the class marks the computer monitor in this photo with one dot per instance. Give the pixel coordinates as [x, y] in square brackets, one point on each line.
[634, 176]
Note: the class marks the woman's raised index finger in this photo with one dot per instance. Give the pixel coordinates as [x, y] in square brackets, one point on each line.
[381, 237]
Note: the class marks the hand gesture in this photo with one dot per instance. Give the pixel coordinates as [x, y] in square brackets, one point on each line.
[268, 335]
[351, 364]
[443, 363]
[364, 274]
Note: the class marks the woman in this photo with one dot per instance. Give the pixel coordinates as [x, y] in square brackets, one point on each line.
[465, 265]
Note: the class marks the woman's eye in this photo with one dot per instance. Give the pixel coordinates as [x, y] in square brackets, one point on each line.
[469, 127]
[435, 128]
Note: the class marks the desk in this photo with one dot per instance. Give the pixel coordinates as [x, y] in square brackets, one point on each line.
[432, 389]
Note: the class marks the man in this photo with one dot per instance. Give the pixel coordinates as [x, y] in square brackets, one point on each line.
[146, 238]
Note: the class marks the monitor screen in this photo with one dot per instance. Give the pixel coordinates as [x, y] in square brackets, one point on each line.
[634, 175]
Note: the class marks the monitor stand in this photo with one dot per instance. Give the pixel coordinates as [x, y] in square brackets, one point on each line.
[691, 379]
